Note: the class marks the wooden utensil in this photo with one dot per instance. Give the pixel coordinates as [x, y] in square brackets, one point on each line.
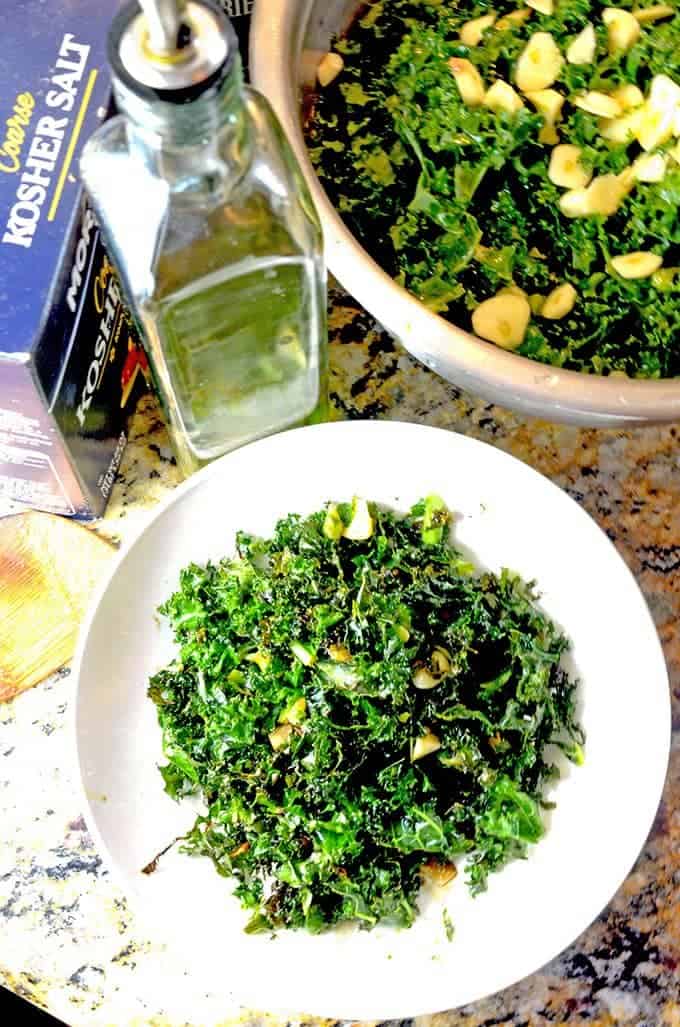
[49, 567]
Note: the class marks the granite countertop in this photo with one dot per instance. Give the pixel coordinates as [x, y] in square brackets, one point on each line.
[68, 940]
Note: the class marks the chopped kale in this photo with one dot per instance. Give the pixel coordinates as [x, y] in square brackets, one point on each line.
[356, 705]
[455, 202]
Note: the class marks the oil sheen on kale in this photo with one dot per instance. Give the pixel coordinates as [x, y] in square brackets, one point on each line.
[519, 174]
[357, 706]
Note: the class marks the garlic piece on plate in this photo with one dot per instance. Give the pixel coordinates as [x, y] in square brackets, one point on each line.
[423, 746]
[502, 97]
[468, 80]
[559, 302]
[623, 30]
[472, 31]
[653, 127]
[564, 168]
[576, 203]
[636, 265]
[423, 680]
[329, 69]
[650, 167]
[582, 48]
[503, 319]
[539, 64]
[280, 737]
[602, 104]
[654, 13]
[549, 103]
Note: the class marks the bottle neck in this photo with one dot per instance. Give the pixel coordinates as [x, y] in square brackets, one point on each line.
[182, 142]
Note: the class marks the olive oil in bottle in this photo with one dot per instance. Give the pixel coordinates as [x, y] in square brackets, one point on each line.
[210, 223]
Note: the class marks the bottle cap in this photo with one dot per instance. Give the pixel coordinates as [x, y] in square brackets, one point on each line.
[171, 50]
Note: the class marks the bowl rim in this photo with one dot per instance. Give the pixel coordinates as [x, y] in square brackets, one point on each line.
[480, 367]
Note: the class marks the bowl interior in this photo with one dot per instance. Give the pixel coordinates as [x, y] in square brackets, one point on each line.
[288, 39]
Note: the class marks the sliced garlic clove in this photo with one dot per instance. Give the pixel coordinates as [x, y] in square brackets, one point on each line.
[623, 129]
[539, 64]
[280, 737]
[362, 524]
[514, 18]
[468, 80]
[653, 127]
[329, 69]
[424, 745]
[636, 265]
[607, 192]
[661, 118]
[549, 103]
[294, 714]
[424, 680]
[565, 168]
[559, 302]
[626, 180]
[437, 873]
[503, 319]
[603, 196]
[657, 12]
[548, 135]
[542, 6]
[602, 104]
[650, 167]
[583, 47]
[576, 203]
[339, 653]
[629, 96]
[472, 31]
[623, 30]
[662, 113]
[502, 97]
[664, 93]
[513, 290]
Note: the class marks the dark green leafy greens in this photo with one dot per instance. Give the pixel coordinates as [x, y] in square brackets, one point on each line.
[352, 700]
[455, 202]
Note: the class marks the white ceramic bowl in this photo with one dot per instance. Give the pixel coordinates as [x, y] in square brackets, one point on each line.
[506, 515]
[288, 38]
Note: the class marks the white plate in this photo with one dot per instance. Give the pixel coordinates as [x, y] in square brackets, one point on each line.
[507, 515]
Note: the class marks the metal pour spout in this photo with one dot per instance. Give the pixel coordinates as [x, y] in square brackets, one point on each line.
[172, 45]
[164, 19]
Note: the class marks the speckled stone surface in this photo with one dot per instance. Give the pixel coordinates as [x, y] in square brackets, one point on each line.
[68, 940]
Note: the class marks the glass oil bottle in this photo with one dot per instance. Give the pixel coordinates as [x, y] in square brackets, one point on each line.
[208, 219]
